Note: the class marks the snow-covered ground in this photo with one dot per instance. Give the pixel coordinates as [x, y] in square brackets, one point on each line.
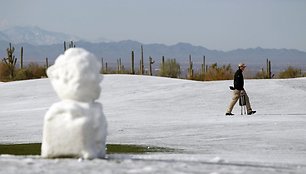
[180, 114]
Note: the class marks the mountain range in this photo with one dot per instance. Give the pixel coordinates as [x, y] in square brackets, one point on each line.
[39, 44]
[34, 35]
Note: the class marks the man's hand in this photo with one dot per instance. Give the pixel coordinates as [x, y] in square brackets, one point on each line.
[242, 92]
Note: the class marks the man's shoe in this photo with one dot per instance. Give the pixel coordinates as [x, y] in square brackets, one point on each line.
[251, 112]
[228, 114]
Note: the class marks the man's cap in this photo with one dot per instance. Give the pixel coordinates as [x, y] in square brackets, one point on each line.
[241, 65]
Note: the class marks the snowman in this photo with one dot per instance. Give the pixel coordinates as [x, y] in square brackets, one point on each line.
[75, 126]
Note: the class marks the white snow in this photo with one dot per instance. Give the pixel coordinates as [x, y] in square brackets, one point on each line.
[75, 75]
[181, 114]
[75, 126]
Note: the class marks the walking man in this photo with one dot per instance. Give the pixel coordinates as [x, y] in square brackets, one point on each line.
[238, 91]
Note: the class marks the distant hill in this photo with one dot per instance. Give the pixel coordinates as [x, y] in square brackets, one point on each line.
[34, 36]
[39, 44]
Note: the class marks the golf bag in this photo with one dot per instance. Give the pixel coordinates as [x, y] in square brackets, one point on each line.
[242, 103]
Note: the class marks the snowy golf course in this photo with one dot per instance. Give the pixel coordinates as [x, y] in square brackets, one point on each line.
[184, 115]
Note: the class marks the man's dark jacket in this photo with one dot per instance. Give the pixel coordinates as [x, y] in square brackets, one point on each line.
[238, 80]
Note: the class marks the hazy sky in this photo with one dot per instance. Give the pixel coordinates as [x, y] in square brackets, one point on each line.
[215, 24]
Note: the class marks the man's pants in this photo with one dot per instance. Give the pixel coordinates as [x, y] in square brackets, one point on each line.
[236, 95]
